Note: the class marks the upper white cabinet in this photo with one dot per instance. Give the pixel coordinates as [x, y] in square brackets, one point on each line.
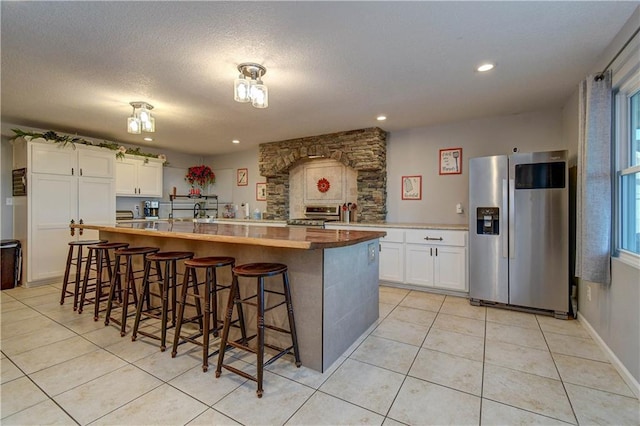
[71, 160]
[138, 177]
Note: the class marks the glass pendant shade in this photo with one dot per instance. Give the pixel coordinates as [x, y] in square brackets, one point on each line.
[134, 125]
[259, 95]
[144, 115]
[241, 89]
[149, 125]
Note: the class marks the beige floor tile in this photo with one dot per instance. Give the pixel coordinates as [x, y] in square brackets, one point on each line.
[9, 371]
[527, 391]
[460, 325]
[21, 328]
[323, 409]
[575, 346]
[597, 407]
[423, 403]
[448, 370]
[514, 318]
[593, 374]
[413, 316]
[43, 413]
[84, 323]
[212, 417]
[100, 396]
[57, 312]
[516, 335]
[22, 293]
[392, 295]
[368, 386]
[162, 366]
[23, 314]
[303, 375]
[44, 299]
[49, 333]
[494, 413]
[10, 304]
[570, 327]
[132, 351]
[390, 422]
[4, 297]
[385, 353]
[423, 300]
[384, 309]
[462, 345]
[205, 387]
[105, 336]
[52, 354]
[529, 360]
[281, 398]
[163, 405]
[400, 331]
[18, 395]
[461, 307]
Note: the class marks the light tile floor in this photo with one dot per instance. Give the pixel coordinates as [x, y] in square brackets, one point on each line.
[430, 359]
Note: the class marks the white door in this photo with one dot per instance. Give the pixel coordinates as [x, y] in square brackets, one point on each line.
[150, 179]
[391, 261]
[419, 264]
[96, 201]
[450, 268]
[96, 163]
[53, 159]
[53, 204]
[126, 177]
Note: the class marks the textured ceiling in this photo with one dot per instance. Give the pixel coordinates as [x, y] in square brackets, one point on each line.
[331, 66]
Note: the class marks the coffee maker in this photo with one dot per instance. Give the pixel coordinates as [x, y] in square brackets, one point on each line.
[150, 209]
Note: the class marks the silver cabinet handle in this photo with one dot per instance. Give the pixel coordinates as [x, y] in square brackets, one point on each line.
[430, 251]
[436, 251]
[80, 171]
[433, 239]
[72, 171]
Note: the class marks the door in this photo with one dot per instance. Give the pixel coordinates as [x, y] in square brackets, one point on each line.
[449, 268]
[126, 177]
[53, 159]
[419, 264]
[538, 243]
[96, 163]
[488, 241]
[391, 261]
[150, 179]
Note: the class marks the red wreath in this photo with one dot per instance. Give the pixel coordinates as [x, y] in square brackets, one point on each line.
[323, 185]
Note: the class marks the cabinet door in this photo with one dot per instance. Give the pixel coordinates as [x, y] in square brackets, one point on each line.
[53, 204]
[53, 159]
[150, 179]
[96, 201]
[126, 177]
[96, 163]
[419, 264]
[450, 268]
[391, 261]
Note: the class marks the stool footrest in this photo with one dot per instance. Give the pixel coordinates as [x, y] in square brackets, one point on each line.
[239, 372]
[275, 306]
[273, 327]
[280, 354]
[242, 347]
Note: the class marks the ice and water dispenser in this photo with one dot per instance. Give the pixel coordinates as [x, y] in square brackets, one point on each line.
[488, 220]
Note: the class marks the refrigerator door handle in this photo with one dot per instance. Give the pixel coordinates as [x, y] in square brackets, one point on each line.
[512, 219]
[504, 236]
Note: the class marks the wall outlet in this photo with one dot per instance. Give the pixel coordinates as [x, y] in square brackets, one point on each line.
[9, 201]
[589, 293]
[459, 208]
[371, 250]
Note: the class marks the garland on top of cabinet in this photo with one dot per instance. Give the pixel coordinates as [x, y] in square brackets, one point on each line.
[66, 140]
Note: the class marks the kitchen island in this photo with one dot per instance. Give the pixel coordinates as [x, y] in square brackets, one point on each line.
[333, 273]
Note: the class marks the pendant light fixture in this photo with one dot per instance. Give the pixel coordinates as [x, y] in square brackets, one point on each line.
[141, 119]
[248, 87]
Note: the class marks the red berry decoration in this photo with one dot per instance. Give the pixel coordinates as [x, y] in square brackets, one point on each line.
[323, 185]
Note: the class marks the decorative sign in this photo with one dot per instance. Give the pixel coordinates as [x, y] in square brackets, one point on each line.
[412, 187]
[323, 185]
[242, 179]
[261, 191]
[451, 161]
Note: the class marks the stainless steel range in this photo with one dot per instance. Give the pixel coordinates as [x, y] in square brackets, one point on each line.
[317, 216]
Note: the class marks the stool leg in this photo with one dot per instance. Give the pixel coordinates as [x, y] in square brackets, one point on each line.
[227, 323]
[292, 323]
[65, 280]
[206, 317]
[85, 281]
[260, 327]
[181, 307]
[213, 300]
[115, 281]
[78, 273]
[141, 299]
[130, 287]
[101, 263]
[169, 281]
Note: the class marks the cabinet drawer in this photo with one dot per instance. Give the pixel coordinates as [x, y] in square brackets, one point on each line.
[437, 237]
[393, 235]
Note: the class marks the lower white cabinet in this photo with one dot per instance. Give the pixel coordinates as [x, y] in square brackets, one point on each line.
[391, 261]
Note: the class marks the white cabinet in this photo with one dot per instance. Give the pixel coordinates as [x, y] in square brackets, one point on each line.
[138, 177]
[437, 259]
[64, 183]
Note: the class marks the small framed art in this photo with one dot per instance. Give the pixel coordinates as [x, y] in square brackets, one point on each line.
[412, 187]
[242, 178]
[261, 191]
[451, 161]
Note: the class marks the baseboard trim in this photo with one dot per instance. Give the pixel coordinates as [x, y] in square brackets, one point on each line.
[619, 366]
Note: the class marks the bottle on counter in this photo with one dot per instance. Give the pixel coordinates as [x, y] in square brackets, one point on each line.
[257, 215]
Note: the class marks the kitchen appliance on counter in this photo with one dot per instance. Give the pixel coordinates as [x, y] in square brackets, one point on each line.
[124, 215]
[519, 232]
[150, 209]
[316, 216]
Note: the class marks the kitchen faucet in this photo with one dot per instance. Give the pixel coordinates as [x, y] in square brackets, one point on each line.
[196, 210]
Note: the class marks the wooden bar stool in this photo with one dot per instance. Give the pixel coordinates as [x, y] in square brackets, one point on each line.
[76, 260]
[209, 297]
[124, 258]
[167, 285]
[259, 271]
[98, 253]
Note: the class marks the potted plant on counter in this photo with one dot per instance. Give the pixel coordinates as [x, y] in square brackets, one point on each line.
[199, 177]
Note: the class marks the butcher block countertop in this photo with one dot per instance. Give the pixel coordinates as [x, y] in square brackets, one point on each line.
[267, 236]
[407, 225]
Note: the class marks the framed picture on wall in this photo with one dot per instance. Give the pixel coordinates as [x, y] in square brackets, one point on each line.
[242, 178]
[412, 187]
[451, 161]
[261, 191]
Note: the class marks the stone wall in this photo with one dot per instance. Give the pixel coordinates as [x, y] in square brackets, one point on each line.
[364, 150]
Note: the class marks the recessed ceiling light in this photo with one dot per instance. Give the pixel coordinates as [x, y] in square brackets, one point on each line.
[485, 67]
[235, 141]
[381, 117]
[148, 139]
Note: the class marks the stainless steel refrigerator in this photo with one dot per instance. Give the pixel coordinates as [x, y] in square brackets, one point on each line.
[518, 231]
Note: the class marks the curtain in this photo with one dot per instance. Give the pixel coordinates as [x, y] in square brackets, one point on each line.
[593, 198]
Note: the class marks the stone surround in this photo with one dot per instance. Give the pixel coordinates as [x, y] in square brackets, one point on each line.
[364, 150]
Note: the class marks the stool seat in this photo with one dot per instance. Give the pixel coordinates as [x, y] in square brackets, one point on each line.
[212, 261]
[164, 256]
[86, 242]
[259, 269]
[109, 246]
[136, 250]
